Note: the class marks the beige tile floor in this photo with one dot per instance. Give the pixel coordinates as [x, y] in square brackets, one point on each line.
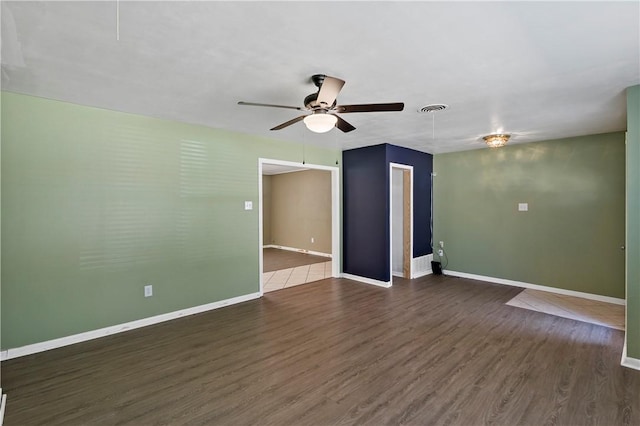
[284, 278]
[577, 308]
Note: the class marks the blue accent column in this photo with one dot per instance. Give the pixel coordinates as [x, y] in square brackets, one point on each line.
[366, 210]
[365, 213]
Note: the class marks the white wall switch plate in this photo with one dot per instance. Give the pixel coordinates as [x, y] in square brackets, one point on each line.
[523, 207]
[148, 290]
[248, 205]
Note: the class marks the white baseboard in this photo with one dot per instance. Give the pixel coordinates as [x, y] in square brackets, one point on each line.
[413, 276]
[421, 266]
[627, 361]
[315, 253]
[422, 274]
[94, 334]
[366, 280]
[3, 404]
[573, 293]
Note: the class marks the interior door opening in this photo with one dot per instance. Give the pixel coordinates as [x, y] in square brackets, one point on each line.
[401, 220]
[299, 231]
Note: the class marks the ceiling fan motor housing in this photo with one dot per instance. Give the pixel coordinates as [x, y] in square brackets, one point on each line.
[318, 79]
[323, 107]
[311, 103]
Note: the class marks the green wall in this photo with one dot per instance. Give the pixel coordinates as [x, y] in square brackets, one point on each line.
[571, 236]
[96, 204]
[633, 222]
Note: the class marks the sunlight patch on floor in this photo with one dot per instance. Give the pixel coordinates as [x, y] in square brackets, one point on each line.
[576, 308]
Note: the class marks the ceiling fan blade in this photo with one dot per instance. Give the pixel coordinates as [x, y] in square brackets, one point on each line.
[398, 106]
[329, 90]
[270, 105]
[343, 125]
[289, 123]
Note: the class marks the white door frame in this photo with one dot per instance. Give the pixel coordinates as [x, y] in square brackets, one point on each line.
[402, 167]
[335, 211]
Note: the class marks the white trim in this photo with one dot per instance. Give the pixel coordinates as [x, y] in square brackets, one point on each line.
[627, 361]
[335, 212]
[421, 266]
[385, 284]
[114, 329]
[260, 231]
[302, 166]
[3, 404]
[315, 253]
[573, 293]
[336, 227]
[631, 363]
[403, 167]
[423, 274]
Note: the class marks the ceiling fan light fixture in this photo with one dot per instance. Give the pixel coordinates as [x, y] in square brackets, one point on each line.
[320, 122]
[496, 140]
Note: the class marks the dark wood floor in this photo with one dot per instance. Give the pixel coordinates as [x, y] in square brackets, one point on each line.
[276, 259]
[437, 350]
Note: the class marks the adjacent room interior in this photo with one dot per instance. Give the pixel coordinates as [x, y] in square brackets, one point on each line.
[320, 213]
[296, 226]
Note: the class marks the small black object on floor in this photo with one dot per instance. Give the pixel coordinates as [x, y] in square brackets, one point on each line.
[436, 267]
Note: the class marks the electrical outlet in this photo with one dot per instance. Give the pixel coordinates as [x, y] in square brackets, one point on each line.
[441, 244]
[440, 252]
[313, 240]
[148, 290]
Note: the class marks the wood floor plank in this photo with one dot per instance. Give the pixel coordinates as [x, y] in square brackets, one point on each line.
[436, 350]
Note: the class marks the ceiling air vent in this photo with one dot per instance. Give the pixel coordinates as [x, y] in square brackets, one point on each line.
[433, 108]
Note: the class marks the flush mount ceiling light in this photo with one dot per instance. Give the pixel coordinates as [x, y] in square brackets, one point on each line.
[320, 122]
[497, 140]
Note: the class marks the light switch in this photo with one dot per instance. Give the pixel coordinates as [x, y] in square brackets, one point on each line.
[523, 207]
[248, 205]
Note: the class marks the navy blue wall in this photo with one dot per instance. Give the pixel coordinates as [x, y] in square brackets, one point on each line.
[366, 183]
[365, 213]
[422, 167]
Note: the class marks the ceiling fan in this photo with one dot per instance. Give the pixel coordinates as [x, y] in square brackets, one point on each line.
[323, 108]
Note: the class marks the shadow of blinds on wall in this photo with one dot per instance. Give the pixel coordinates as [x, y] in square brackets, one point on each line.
[123, 190]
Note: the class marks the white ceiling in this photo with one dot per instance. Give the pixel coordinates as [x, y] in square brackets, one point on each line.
[537, 70]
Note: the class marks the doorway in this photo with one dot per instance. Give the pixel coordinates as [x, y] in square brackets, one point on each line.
[401, 220]
[306, 257]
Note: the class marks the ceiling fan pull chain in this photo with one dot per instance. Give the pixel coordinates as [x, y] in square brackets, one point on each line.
[335, 146]
[303, 147]
[118, 20]
[433, 126]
